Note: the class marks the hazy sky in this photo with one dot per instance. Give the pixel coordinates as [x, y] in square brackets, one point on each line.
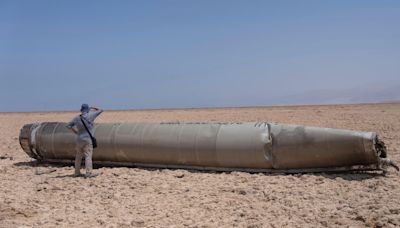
[54, 55]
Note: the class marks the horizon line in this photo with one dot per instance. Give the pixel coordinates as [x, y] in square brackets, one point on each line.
[216, 107]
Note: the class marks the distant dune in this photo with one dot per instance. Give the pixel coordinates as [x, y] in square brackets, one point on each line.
[365, 94]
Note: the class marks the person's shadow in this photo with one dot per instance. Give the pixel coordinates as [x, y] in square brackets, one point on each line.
[50, 167]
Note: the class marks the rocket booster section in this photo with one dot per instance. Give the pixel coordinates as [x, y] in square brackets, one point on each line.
[259, 147]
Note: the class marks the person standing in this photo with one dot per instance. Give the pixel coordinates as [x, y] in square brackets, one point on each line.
[84, 143]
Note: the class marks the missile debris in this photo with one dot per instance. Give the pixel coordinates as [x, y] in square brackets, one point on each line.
[253, 146]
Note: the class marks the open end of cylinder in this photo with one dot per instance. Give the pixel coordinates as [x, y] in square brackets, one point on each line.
[380, 148]
[381, 151]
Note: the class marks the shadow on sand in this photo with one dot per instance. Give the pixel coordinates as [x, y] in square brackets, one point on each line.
[36, 163]
[345, 175]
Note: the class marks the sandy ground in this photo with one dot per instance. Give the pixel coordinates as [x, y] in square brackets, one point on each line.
[47, 196]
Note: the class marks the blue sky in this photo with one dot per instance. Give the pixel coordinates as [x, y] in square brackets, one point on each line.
[55, 55]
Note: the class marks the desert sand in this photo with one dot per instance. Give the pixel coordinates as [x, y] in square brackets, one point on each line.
[34, 195]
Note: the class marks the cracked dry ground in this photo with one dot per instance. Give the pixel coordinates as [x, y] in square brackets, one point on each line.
[46, 196]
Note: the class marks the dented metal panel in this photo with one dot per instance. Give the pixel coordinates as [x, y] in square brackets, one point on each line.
[220, 146]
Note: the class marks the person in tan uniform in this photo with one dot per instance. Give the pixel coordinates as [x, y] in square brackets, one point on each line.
[82, 126]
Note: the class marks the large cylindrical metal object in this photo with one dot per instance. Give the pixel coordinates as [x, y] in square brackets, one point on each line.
[216, 146]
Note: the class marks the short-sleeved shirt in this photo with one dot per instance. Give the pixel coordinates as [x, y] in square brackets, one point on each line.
[89, 117]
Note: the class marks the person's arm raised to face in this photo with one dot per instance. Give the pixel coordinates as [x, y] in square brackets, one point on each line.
[95, 113]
